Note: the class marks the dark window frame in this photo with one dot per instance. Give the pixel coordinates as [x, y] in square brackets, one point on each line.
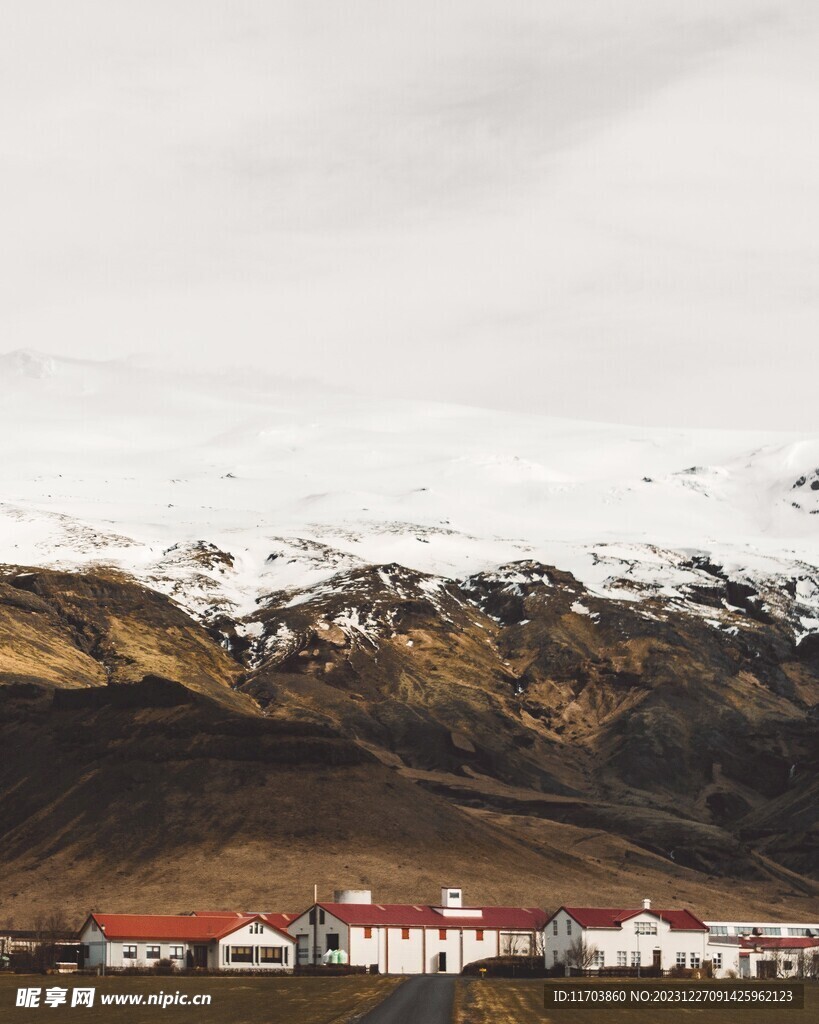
[271, 954]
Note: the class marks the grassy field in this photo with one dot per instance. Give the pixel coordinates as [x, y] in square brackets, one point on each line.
[234, 1000]
[507, 1001]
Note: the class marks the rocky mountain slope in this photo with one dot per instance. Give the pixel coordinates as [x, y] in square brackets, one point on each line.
[511, 730]
[253, 638]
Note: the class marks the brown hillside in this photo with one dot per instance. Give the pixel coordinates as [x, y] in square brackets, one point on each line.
[392, 733]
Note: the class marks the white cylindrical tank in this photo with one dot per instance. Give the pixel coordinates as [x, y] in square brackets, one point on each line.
[352, 896]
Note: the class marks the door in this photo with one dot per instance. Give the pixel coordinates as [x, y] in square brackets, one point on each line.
[442, 962]
[200, 956]
[303, 949]
[656, 964]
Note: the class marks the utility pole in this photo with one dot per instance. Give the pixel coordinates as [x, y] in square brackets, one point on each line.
[315, 923]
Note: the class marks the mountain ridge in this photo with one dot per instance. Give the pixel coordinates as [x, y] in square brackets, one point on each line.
[233, 611]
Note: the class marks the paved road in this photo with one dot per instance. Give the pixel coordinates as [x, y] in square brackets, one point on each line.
[421, 1000]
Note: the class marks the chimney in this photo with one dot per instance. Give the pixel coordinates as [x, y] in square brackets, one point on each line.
[451, 896]
[646, 904]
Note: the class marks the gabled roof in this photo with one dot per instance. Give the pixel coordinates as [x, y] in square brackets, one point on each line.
[614, 917]
[278, 920]
[408, 915]
[780, 942]
[185, 927]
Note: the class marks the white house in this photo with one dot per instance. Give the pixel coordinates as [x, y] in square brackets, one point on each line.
[625, 937]
[403, 938]
[778, 957]
[216, 941]
[764, 956]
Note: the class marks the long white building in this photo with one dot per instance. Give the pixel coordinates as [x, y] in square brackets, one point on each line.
[226, 941]
[751, 949]
[772, 929]
[401, 938]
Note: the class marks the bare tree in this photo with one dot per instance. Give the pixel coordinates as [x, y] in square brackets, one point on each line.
[581, 954]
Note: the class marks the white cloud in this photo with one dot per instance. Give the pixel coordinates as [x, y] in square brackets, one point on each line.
[609, 208]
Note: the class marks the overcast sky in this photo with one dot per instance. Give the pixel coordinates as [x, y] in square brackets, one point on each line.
[581, 207]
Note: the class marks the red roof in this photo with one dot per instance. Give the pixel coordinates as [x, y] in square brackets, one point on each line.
[613, 917]
[410, 915]
[280, 921]
[780, 942]
[185, 927]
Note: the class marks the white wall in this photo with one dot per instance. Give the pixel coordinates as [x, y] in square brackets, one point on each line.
[786, 929]
[417, 954]
[328, 926]
[111, 951]
[251, 935]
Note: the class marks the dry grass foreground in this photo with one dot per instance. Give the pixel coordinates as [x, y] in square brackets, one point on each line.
[286, 1000]
[505, 1001]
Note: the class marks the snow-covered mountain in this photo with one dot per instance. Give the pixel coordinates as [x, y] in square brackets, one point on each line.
[221, 489]
[581, 652]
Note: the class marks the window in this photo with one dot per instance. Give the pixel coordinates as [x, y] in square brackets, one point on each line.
[241, 954]
[635, 960]
[718, 929]
[554, 956]
[257, 928]
[799, 931]
[568, 926]
[312, 916]
[405, 933]
[332, 940]
[152, 953]
[681, 959]
[176, 953]
[787, 965]
[716, 960]
[442, 934]
[271, 955]
[694, 960]
[622, 958]
[454, 894]
[598, 960]
[129, 952]
[770, 931]
[479, 934]
[321, 917]
[368, 933]
[86, 950]
[554, 927]
[645, 927]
